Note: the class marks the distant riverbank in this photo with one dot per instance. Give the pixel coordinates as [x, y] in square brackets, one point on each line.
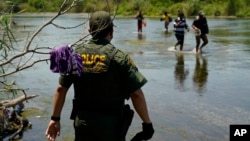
[150, 8]
[51, 14]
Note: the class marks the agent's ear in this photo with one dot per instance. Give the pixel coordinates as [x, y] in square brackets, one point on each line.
[111, 33]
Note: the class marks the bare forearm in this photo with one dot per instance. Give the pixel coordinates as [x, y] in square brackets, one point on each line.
[194, 27]
[59, 100]
[140, 105]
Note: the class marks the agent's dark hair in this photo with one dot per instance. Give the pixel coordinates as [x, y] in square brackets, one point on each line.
[201, 16]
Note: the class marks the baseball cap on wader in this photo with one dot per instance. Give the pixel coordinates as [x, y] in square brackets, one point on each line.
[201, 12]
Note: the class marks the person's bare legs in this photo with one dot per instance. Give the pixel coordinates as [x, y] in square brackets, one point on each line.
[166, 26]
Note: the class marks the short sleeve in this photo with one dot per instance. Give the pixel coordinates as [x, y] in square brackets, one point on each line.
[133, 77]
[66, 80]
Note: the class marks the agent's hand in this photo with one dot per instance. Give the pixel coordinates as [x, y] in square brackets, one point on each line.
[146, 133]
[53, 130]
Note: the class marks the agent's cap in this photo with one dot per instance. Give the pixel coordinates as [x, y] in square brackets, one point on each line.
[100, 20]
[201, 13]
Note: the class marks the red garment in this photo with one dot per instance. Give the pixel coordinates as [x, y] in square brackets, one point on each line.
[139, 26]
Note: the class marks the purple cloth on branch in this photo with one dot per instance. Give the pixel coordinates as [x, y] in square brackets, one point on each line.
[63, 60]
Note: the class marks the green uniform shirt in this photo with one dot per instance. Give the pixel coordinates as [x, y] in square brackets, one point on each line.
[121, 65]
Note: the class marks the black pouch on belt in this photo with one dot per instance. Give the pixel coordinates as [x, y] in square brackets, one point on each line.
[127, 117]
[74, 109]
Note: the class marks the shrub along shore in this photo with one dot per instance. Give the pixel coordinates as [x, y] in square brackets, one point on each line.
[150, 8]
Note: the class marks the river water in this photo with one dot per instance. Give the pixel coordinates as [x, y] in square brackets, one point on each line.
[190, 97]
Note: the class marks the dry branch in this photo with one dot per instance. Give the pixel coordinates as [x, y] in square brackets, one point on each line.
[17, 123]
[13, 102]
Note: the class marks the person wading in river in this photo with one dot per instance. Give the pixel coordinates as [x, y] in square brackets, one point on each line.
[140, 21]
[200, 27]
[167, 19]
[180, 25]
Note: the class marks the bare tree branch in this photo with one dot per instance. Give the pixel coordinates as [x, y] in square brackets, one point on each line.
[23, 68]
[13, 102]
[13, 60]
[21, 65]
[58, 26]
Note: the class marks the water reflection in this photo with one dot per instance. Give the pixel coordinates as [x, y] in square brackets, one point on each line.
[168, 34]
[180, 71]
[200, 74]
[141, 36]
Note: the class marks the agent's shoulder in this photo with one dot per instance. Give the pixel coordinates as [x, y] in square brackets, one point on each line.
[120, 55]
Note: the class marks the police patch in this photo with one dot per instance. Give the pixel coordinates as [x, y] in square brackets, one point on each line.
[95, 63]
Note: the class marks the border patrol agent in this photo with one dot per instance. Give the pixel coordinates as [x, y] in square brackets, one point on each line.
[109, 77]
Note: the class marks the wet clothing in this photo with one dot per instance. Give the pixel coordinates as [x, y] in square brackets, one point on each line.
[109, 76]
[180, 29]
[167, 19]
[180, 38]
[201, 23]
[140, 19]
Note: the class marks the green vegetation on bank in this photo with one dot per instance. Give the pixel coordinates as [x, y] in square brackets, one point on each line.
[239, 8]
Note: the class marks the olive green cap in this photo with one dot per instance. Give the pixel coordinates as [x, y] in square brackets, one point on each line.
[100, 20]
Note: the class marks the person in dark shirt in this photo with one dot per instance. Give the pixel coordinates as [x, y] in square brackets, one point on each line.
[200, 27]
[140, 21]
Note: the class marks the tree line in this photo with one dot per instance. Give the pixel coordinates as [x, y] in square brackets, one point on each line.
[239, 8]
